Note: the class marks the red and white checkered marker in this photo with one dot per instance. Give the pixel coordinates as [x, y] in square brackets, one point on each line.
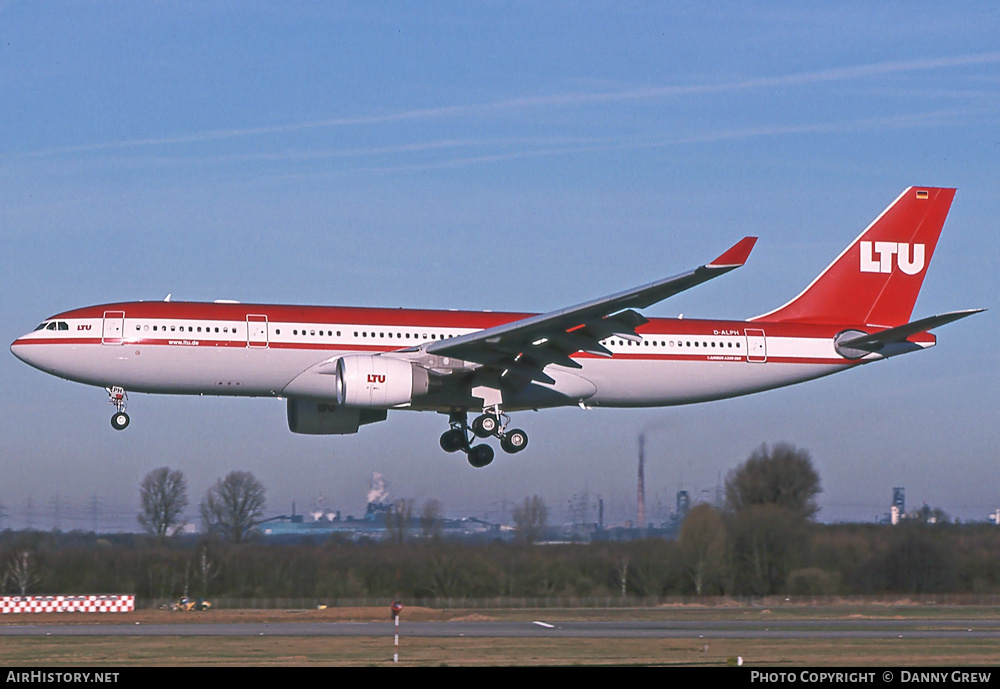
[29, 604]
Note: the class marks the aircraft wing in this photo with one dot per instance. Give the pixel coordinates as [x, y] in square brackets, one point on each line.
[518, 352]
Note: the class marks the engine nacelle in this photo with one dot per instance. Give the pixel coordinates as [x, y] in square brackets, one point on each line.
[364, 380]
[325, 418]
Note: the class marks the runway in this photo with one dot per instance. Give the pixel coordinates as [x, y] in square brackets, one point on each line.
[731, 629]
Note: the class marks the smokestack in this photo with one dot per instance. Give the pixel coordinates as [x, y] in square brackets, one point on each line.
[641, 497]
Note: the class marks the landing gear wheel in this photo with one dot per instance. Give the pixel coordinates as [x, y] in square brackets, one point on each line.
[454, 440]
[480, 456]
[486, 425]
[120, 421]
[118, 398]
[514, 441]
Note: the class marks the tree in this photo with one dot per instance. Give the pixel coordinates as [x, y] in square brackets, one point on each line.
[234, 505]
[397, 520]
[206, 568]
[163, 495]
[781, 476]
[22, 570]
[430, 519]
[914, 559]
[702, 544]
[530, 519]
[766, 543]
[621, 571]
[929, 515]
[770, 499]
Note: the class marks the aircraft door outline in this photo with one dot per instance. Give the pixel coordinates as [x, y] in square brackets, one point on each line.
[756, 346]
[257, 335]
[113, 328]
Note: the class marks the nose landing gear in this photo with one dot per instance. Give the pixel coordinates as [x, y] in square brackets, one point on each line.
[118, 398]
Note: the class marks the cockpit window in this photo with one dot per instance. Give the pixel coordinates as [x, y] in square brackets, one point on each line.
[63, 325]
[51, 326]
[41, 326]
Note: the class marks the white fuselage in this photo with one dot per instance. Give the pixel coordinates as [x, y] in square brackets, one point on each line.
[272, 351]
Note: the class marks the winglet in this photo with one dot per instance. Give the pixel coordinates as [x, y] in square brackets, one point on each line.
[736, 255]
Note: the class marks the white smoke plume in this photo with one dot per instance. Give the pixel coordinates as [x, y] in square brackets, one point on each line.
[378, 489]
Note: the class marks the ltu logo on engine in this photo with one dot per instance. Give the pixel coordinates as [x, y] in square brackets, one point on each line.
[909, 261]
[376, 378]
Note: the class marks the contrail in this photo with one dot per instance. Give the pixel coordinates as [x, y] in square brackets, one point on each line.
[567, 99]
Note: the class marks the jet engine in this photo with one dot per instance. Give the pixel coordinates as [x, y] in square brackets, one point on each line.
[323, 418]
[365, 380]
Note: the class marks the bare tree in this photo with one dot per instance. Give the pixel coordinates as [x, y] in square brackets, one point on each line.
[208, 570]
[22, 570]
[234, 505]
[430, 519]
[531, 518]
[622, 571]
[397, 521]
[163, 495]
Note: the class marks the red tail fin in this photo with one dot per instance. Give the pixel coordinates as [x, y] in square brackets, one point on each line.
[875, 281]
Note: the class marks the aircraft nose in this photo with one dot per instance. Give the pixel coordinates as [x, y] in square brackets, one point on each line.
[19, 349]
[40, 353]
[25, 352]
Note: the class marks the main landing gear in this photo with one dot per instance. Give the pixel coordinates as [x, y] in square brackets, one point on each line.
[491, 422]
[119, 399]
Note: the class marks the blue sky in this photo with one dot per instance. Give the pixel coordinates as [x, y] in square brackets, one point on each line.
[507, 156]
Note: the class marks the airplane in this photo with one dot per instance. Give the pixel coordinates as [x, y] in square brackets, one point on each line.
[341, 368]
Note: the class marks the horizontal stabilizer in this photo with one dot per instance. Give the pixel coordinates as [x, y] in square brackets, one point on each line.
[876, 341]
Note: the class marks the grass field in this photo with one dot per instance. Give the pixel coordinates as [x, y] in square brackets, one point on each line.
[306, 650]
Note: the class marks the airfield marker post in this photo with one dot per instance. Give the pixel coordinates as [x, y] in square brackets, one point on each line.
[397, 607]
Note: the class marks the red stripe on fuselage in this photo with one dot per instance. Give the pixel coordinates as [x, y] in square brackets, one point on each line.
[421, 318]
[200, 311]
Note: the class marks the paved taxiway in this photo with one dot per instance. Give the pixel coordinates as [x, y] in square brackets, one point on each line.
[796, 629]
